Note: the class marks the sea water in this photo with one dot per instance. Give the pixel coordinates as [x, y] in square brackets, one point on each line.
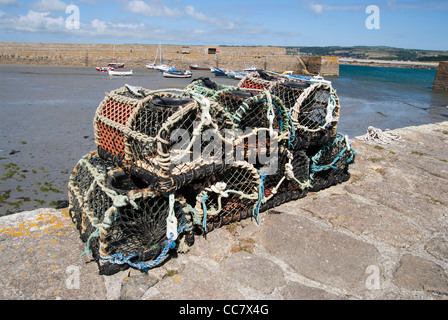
[387, 98]
[46, 117]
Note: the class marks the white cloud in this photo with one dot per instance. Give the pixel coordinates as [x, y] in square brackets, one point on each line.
[33, 22]
[155, 10]
[221, 23]
[424, 5]
[49, 5]
[46, 23]
[318, 8]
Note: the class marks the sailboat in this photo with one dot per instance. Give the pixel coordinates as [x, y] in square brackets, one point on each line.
[161, 66]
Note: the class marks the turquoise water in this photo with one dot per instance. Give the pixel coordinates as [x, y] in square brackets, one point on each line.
[387, 98]
[46, 122]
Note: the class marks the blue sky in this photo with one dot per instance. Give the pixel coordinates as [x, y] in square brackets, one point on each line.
[406, 24]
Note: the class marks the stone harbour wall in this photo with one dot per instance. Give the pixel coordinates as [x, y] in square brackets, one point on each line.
[441, 79]
[137, 56]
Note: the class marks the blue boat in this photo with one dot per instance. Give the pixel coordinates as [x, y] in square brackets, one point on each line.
[173, 70]
[219, 73]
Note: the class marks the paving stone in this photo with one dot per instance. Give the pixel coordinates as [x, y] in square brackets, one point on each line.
[201, 279]
[216, 245]
[422, 162]
[419, 181]
[416, 273]
[296, 291]
[255, 272]
[134, 287]
[438, 248]
[40, 259]
[421, 209]
[317, 253]
[376, 221]
[431, 141]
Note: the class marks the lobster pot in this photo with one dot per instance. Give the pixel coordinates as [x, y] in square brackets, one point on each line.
[289, 182]
[130, 112]
[160, 139]
[250, 110]
[289, 91]
[227, 197]
[329, 164]
[205, 86]
[122, 224]
[260, 80]
[315, 114]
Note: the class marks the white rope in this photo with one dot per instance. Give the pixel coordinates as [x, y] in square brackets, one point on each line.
[219, 188]
[379, 136]
[171, 220]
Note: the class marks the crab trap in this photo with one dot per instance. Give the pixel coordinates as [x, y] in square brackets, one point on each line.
[157, 135]
[329, 164]
[173, 164]
[312, 105]
[122, 223]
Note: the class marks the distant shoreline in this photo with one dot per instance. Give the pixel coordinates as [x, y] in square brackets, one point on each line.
[387, 63]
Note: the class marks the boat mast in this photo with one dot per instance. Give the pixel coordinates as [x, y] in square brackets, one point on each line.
[161, 53]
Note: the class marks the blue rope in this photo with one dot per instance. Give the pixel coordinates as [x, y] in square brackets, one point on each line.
[315, 168]
[95, 233]
[292, 135]
[119, 258]
[204, 209]
[256, 211]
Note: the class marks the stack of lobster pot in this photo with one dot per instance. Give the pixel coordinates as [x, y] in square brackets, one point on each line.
[171, 164]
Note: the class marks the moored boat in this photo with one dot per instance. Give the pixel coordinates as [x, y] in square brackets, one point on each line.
[250, 69]
[116, 65]
[162, 67]
[176, 74]
[104, 69]
[120, 73]
[196, 67]
[219, 73]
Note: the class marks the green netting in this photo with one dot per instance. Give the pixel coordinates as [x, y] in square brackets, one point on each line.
[330, 163]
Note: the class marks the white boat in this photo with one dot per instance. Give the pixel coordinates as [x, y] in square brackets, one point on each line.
[239, 75]
[197, 67]
[161, 66]
[104, 69]
[235, 74]
[168, 74]
[120, 73]
[250, 69]
[319, 78]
